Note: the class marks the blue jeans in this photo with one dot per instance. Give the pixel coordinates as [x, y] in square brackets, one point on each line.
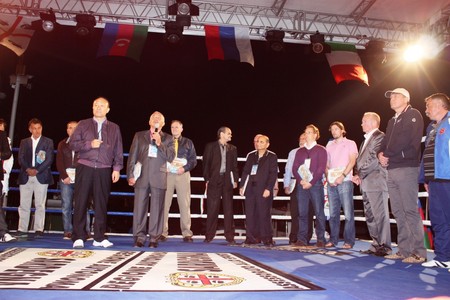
[315, 196]
[342, 195]
[66, 205]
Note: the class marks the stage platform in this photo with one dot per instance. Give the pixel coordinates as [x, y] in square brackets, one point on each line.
[334, 273]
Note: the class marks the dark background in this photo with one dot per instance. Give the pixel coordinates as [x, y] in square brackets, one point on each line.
[278, 97]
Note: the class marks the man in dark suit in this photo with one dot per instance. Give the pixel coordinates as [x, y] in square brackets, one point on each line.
[221, 174]
[371, 177]
[257, 181]
[35, 160]
[5, 153]
[147, 172]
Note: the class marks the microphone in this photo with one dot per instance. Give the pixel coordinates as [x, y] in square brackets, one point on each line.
[156, 126]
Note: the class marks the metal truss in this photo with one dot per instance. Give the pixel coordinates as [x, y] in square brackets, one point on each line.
[298, 24]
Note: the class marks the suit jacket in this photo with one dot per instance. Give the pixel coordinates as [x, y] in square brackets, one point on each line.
[154, 169]
[372, 174]
[5, 151]
[45, 149]
[211, 163]
[266, 175]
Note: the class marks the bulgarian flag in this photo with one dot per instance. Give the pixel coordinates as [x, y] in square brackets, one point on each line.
[14, 34]
[229, 43]
[428, 235]
[123, 40]
[345, 63]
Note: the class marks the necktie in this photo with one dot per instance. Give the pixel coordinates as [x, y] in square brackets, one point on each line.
[176, 146]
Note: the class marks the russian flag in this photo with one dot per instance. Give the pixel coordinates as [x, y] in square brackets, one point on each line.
[229, 43]
[345, 63]
[123, 40]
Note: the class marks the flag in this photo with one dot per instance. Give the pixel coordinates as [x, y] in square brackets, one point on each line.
[428, 235]
[345, 63]
[14, 33]
[228, 43]
[123, 40]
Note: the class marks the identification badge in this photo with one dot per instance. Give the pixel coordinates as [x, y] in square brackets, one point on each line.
[152, 151]
[307, 162]
[254, 170]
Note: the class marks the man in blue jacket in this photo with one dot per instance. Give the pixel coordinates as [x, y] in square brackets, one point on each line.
[435, 174]
[35, 160]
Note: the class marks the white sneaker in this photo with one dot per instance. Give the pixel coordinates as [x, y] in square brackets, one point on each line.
[7, 238]
[436, 263]
[105, 244]
[78, 244]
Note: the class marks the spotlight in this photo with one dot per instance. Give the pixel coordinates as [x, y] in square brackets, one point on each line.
[318, 44]
[174, 32]
[275, 40]
[85, 24]
[48, 20]
[183, 10]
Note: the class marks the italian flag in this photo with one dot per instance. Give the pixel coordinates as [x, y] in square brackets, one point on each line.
[123, 40]
[228, 43]
[345, 63]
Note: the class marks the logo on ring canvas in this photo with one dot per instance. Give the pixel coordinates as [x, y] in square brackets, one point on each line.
[66, 253]
[203, 280]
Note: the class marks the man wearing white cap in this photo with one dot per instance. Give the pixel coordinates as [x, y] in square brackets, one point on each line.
[400, 153]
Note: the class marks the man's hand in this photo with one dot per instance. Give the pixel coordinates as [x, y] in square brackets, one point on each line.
[115, 176]
[96, 143]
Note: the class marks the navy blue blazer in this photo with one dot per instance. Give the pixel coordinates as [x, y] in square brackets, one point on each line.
[45, 151]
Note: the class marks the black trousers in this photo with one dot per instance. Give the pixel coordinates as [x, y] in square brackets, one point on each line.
[217, 194]
[95, 183]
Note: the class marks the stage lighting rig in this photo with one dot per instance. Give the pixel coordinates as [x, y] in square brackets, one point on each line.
[183, 10]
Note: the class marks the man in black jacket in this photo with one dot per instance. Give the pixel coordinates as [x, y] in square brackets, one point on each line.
[221, 174]
[5, 153]
[400, 153]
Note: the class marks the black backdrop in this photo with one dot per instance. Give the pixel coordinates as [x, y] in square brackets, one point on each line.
[281, 94]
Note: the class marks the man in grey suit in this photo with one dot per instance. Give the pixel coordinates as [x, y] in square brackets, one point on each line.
[371, 177]
[147, 172]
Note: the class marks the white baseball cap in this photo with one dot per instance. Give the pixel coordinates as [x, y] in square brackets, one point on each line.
[401, 91]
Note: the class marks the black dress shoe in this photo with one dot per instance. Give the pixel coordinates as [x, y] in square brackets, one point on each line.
[368, 251]
[381, 252]
[207, 240]
[153, 245]
[162, 238]
[231, 243]
[188, 239]
[38, 234]
[250, 242]
[139, 244]
[269, 243]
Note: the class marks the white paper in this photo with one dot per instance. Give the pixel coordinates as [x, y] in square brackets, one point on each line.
[71, 173]
[305, 173]
[137, 170]
[176, 164]
[334, 173]
[245, 184]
